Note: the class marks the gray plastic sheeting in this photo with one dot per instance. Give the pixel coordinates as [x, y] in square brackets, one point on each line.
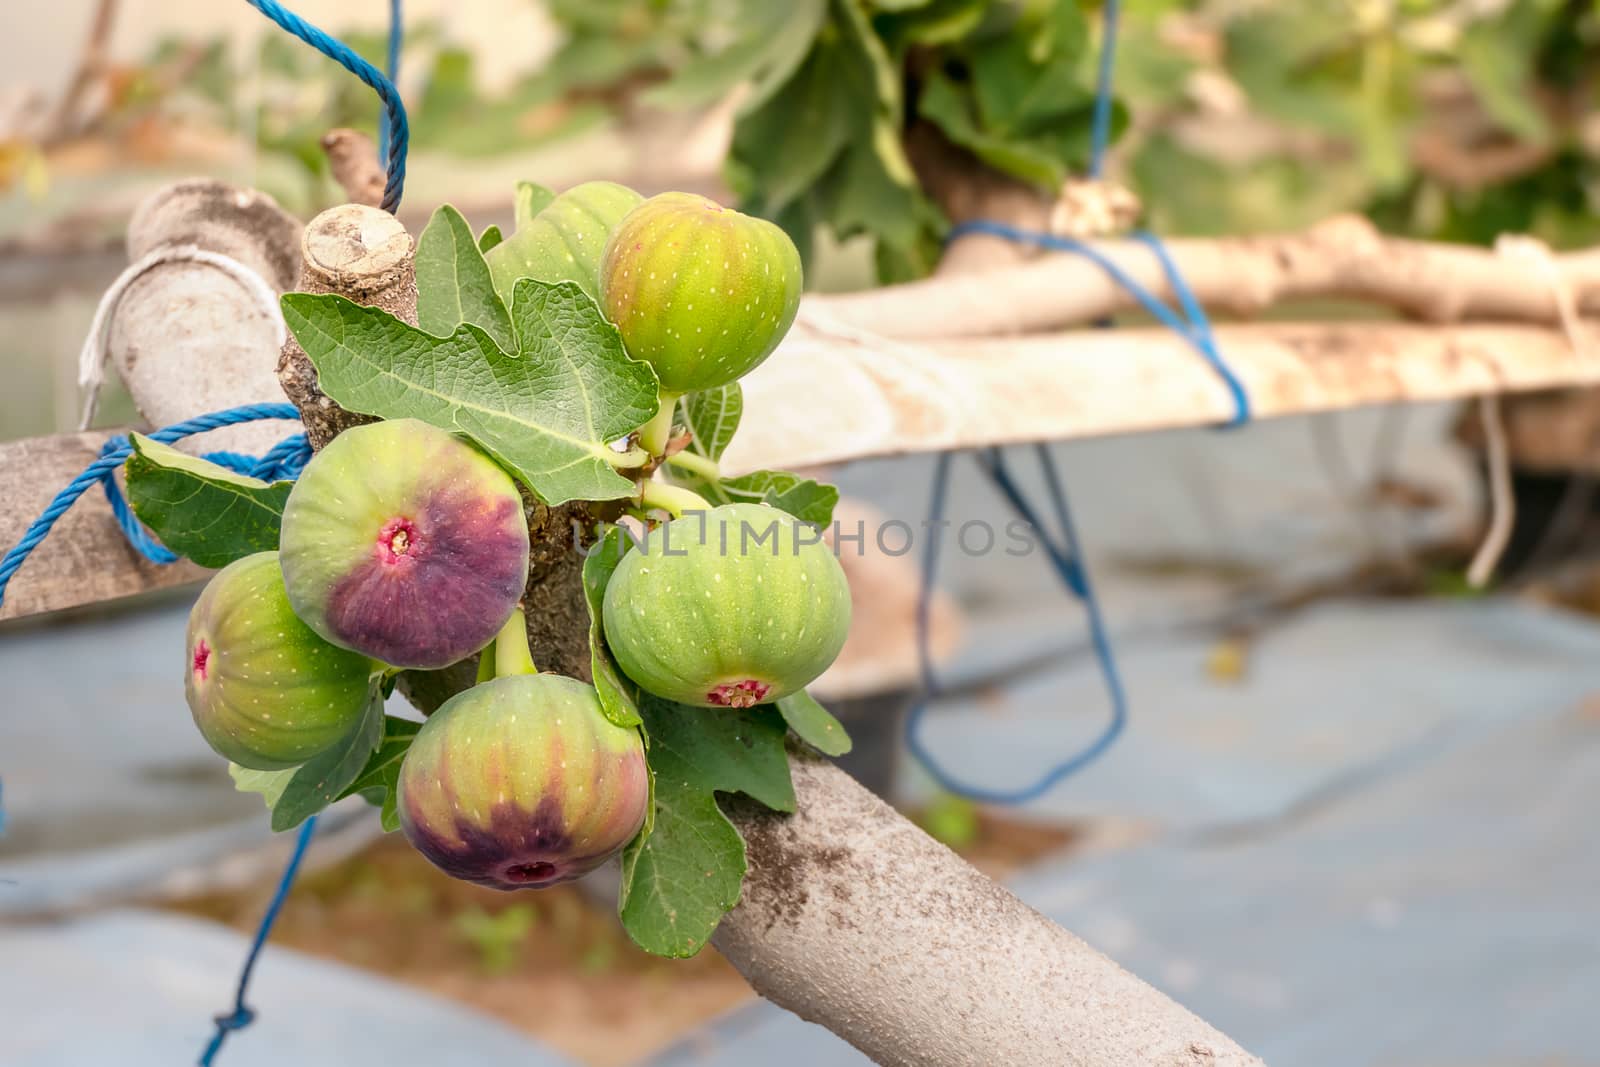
[1392, 857]
[139, 989]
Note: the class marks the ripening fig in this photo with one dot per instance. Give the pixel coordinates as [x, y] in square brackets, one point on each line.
[731, 607]
[522, 782]
[403, 543]
[565, 241]
[265, 691]
[700, 292]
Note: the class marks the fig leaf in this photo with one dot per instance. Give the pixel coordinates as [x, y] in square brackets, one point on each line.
[680, 879]
[453, 282]
[546, 413]
[202, 510]
[814, 724]
[617, 695]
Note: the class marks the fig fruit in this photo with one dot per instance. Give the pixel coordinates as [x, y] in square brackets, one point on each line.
[700, 292]
[405, 544]
[265, 691]
[731, 607]
[522, 782]
[564, 241]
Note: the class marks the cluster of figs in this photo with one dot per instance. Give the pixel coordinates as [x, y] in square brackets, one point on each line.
[404, 547]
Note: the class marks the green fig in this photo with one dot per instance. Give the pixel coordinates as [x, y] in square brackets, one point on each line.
[564, 241]
[731, 607]
[699, 291]
[265, 691]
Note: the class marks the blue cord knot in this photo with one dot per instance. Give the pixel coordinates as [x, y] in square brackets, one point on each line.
[238, 1019]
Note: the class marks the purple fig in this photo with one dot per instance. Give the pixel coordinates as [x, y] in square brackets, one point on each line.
[265, 691]
[403, 543]
[522, 782]
[731, 607]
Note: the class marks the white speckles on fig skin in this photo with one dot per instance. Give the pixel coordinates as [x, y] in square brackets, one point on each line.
[406, 544]
[521, 783]
[265, 691]
[672, 279]
[772, 622]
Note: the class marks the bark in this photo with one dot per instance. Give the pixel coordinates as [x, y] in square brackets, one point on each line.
[1342, 258]
[85, 560]
[187, 337]
[353, 161]
[854, 918]
[357, 252]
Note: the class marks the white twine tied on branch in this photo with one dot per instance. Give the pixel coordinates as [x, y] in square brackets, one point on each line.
[1502, 501]
[96, 346]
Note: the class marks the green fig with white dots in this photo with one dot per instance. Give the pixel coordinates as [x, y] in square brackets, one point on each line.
[731, 607]
[264, 689]
[699, 291]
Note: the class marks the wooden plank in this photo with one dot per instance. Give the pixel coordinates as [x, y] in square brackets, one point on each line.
[833, 393]
[85, 559]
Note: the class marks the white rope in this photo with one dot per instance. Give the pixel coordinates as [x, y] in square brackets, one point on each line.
[96, 346]
[1502, 503]
[1535, 252]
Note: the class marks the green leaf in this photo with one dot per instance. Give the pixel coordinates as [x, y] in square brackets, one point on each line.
[943, 103]
[807, 500]
[199, 509]
[767, 44]
[490, 237]
[546, 413]
[270, 784]
[1501, 75]
[617, 693]
[814, 724]
[680, 880]
[790, 140]
[379, 779]
[531, 199]
[712, 416]
[324, 778]
[934, 23]
[453, 282]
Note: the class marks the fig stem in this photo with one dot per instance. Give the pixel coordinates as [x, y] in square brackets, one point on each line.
[696, 464]
[486, 665]
[632, 459]
[512, 656]
[672, 499]
[655, 434]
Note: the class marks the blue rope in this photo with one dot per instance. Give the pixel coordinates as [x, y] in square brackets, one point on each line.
[1065, 556]
[1100, 131]
[397, 134]
[1067, 561]
[285, 460]
[391, 67]
[1196, 329]
[242, 1016]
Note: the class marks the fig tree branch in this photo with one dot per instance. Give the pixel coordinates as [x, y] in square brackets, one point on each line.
[1344, 258]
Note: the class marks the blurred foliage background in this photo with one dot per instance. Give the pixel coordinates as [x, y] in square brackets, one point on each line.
[1449, 119]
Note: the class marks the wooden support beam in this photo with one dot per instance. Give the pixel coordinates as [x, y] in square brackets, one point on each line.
[833, 393]
[85, 559]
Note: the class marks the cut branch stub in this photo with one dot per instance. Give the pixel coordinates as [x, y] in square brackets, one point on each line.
[366, 255]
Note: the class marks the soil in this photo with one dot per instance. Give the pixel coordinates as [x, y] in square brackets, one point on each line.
[555, 964]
